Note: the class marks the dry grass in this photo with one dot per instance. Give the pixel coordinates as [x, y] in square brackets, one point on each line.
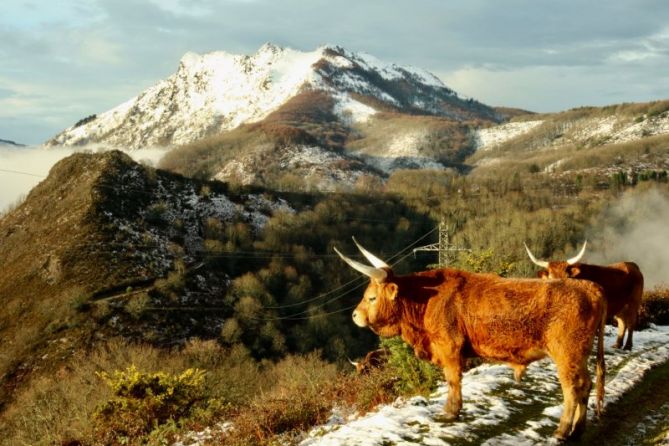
[263, 400]
[655, 307]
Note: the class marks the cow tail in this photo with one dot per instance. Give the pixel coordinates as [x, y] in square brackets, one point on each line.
[601, 364]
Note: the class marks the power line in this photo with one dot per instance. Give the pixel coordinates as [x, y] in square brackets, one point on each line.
[22, 173]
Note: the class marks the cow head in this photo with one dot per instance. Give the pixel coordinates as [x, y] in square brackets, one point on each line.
[378, 307]
[559, 269]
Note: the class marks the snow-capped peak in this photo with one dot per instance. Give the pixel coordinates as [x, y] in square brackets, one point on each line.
[218, 91]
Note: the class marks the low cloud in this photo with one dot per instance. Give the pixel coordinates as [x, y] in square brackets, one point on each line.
[635, 229]
[21, 169]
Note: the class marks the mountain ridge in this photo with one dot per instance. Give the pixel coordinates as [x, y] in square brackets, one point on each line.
[218, 91]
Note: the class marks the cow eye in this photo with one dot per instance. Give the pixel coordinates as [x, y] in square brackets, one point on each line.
[372, 299]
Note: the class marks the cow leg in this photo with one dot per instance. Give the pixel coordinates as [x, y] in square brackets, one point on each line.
[582, 387]
[628, 343]
[621, 332]
[518, 371]
[453, 376]
[576, 385]
[631, 318]
[567, 378]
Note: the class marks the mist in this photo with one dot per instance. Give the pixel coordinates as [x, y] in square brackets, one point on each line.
[23, 168]
[635, 228]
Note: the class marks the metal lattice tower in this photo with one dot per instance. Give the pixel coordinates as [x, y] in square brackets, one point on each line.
[444, 248]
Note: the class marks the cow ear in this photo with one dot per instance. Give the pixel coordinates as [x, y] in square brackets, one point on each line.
[543, 274]
[574, 271]
[391, 291]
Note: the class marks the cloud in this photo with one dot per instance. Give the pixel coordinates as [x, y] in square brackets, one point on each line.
[634, 228]
[547, 88]
[112, 49]
[21, 169]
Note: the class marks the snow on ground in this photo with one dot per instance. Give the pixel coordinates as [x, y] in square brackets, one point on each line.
[496, 410]
[487, 139]
[592, 131]
[403, 150]
[352, 111]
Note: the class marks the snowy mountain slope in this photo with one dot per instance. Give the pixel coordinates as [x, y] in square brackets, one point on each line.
[215, 92]
[316, 168]
[496, 410]
[556, 131]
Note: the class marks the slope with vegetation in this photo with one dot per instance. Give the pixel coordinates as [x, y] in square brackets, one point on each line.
[110, 264]
[628, 138]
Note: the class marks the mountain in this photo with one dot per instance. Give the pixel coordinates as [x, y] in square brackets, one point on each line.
[215, 92]
[8, 143]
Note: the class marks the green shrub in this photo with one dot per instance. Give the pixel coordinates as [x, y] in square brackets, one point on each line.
[143, 401]
[413, 375]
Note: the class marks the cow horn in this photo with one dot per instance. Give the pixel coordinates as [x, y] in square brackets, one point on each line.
[375, 273]
[375, 261]
[579, 255]
[541, 263]
[355, 364]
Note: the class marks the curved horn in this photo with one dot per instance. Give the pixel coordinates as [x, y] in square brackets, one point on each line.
[375, 261]
[579, 255]
[541, 263]
[355, 364]
[375, 273]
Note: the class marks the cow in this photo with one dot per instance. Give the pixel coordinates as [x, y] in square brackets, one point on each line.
[622, 283]
[372, 360]
[447, 315]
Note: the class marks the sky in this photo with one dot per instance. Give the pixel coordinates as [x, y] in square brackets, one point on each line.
[62, 60]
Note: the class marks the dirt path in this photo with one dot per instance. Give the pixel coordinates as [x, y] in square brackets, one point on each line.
[640, 417]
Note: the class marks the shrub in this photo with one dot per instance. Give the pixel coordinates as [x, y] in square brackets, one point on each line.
[414, 376]
[654, 307]
[143, 401]
[156, 214]
[299, 394]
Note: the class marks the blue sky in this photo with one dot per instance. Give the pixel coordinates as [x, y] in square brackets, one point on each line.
[65, 59]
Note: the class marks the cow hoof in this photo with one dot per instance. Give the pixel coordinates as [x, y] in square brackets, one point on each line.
[627, 347]
[578, 430]
[447, 417]
[560, 435]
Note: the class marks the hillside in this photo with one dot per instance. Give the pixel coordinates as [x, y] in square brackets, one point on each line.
[629, 138]
[109, 263]
[107, 248]
[100, 226]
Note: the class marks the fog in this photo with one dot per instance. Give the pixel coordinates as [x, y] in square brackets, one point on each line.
[634, 228]
[24, 167]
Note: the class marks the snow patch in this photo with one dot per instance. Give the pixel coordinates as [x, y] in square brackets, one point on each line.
[401, 152]
[351, 111]
[487, 139]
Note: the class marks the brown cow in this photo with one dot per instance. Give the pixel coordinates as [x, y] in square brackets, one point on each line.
[447, 314]
[372, 360]
[622, 283]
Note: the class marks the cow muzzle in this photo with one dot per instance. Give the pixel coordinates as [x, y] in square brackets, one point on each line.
[359, 319]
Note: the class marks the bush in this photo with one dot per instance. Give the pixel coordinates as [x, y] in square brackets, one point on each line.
[654, 307]
[143, 401]
[413, 375]
[299, 394]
